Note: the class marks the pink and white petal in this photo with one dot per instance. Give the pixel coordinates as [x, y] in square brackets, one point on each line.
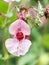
[8, 0]
[17, 53]
[43, 21]
[19, 25]
[11, 45]
[14, 26]
[25, 28]
[24, 47]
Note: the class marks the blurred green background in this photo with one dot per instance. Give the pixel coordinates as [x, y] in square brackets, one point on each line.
[39, 50]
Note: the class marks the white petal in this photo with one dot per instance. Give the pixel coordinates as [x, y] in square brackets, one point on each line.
[19, 24]
[11, 45]
[8, 0]
[24, 46]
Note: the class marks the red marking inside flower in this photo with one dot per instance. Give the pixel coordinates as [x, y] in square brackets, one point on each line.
[26, 36]
[19, 36]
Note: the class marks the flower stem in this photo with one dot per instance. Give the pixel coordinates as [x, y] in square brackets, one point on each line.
[6, 55]
[6, 62]
[5, 21]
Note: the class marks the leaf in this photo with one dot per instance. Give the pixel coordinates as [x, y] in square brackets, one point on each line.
[3, 6]
[25, 59]
[46, 40]
[35, 35]
[1, 62]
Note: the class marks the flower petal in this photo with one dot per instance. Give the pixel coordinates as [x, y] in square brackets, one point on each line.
[8, 0]
[11, 45]
[19, 24]
[43, 21]
[24, 46]
[25, 28]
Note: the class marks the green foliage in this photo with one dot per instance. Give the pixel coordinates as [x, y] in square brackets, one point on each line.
[3, 6]
[25, 59]
[46, 41]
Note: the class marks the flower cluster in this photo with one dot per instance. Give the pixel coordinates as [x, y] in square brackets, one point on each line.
[19, 44]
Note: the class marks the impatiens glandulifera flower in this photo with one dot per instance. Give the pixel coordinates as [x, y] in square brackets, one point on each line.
[23, 13]
[19, 44]
[12, 0]
[33, 12]
[39, 19]
[21, 16]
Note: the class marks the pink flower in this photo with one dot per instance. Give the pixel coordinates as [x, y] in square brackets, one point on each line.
[21, 16]
[19, 44]
[43, 21]
[12, 0]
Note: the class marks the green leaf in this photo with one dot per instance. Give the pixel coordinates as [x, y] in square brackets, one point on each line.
[25, 59]
[35, 34]
[3, 7]
[46, 40]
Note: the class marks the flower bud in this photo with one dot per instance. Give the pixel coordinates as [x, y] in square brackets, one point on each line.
[40, 9]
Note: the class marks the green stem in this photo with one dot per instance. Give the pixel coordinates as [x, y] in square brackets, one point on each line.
[5, 21]
[9, 6]
[5, 56]
[45, 27]
[6, 62]
[35, 34]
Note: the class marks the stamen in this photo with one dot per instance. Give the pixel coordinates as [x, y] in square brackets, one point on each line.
[19, 36]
